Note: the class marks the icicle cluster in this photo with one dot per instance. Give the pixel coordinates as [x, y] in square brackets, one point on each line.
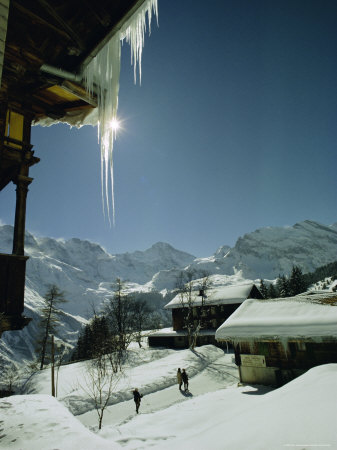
[101, 76]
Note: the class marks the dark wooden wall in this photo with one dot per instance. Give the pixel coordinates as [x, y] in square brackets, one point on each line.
[296, 355]
[212, 316]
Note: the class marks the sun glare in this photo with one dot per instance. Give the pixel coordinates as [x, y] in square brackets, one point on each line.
[115, 124]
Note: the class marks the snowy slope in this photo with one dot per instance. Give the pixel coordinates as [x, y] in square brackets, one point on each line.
[85, 271]
[17, 347]
[270, 251]
[215, 414]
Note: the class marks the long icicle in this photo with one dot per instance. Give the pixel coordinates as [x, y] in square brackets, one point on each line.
[101, 76]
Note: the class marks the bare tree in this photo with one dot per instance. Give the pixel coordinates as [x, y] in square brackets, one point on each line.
[192, 295]
[9, 379]
[185, 287]
[141, 313]
[100, 381]
[119, 312]
[49, 320]
[201, 312]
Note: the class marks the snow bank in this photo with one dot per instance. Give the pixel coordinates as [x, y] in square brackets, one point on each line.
[39, 421]
[301, 414]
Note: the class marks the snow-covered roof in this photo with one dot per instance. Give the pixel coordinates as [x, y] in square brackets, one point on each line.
[310, 315]
[169, 332]
[220, 295]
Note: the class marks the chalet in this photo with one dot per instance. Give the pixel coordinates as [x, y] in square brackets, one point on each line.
[52, 57]
[277, 340]
[212, 308]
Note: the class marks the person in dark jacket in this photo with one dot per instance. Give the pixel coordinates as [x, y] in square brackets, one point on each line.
[137, 397]
[179, 378]
[185, 379]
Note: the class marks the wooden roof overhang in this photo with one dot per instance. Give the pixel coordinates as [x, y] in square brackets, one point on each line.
[44, 46]
[62, 36]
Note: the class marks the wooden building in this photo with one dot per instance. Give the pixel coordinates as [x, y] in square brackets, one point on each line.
[277, 340]
[44, 49]
[213, 309]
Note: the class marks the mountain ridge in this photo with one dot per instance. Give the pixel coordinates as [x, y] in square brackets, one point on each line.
[86, 272]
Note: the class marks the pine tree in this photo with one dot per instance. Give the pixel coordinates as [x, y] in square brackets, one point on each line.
[263, 289]
[49, 321]
[297, 283]
[272, 292]
[282, 285]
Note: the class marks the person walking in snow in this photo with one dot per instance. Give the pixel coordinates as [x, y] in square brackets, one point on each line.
[179, 378]
[137, 397]
[185, 379]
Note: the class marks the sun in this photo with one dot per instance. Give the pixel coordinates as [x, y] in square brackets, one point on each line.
[114, 124]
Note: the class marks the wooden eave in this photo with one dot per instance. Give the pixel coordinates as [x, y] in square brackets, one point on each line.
[62, 34]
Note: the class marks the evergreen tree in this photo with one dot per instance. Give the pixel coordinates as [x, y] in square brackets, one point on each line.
[263, 289]
[282, 285]
[297, 283]
[94, 340]
[272, 292]
[49, 321]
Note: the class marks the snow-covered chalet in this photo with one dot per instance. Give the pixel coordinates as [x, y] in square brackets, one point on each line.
[214, 307]
[277, 340]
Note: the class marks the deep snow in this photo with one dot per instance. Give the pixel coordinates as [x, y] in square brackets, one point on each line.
[216, 414]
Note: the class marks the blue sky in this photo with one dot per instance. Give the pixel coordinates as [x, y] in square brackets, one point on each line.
[233, 129]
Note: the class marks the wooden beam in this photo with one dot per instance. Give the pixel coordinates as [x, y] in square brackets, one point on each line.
[70, 32]
[80, 92]
[104, 18]
[39, 19]
[112, 32]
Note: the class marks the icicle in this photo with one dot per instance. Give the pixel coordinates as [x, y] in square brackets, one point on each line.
[101, 76]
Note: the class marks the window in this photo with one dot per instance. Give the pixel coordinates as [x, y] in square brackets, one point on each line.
[14, 128]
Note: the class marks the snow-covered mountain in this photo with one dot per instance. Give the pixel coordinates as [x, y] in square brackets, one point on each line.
[270, 251]
[85, 271]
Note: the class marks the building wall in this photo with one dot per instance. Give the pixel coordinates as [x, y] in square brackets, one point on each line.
[211, 316]
[182, 341]
[258, 375]
[284, 363]
[4, 7]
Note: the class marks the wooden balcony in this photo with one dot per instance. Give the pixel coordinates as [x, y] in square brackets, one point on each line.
[12, 289]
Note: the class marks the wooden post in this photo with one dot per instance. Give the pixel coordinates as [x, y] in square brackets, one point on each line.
[22, 183]
[52, 367]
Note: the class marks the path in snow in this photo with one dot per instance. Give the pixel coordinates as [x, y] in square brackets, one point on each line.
[217, 375]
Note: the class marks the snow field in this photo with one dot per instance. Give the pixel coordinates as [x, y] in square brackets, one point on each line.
[149, 370]
[216, 414]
